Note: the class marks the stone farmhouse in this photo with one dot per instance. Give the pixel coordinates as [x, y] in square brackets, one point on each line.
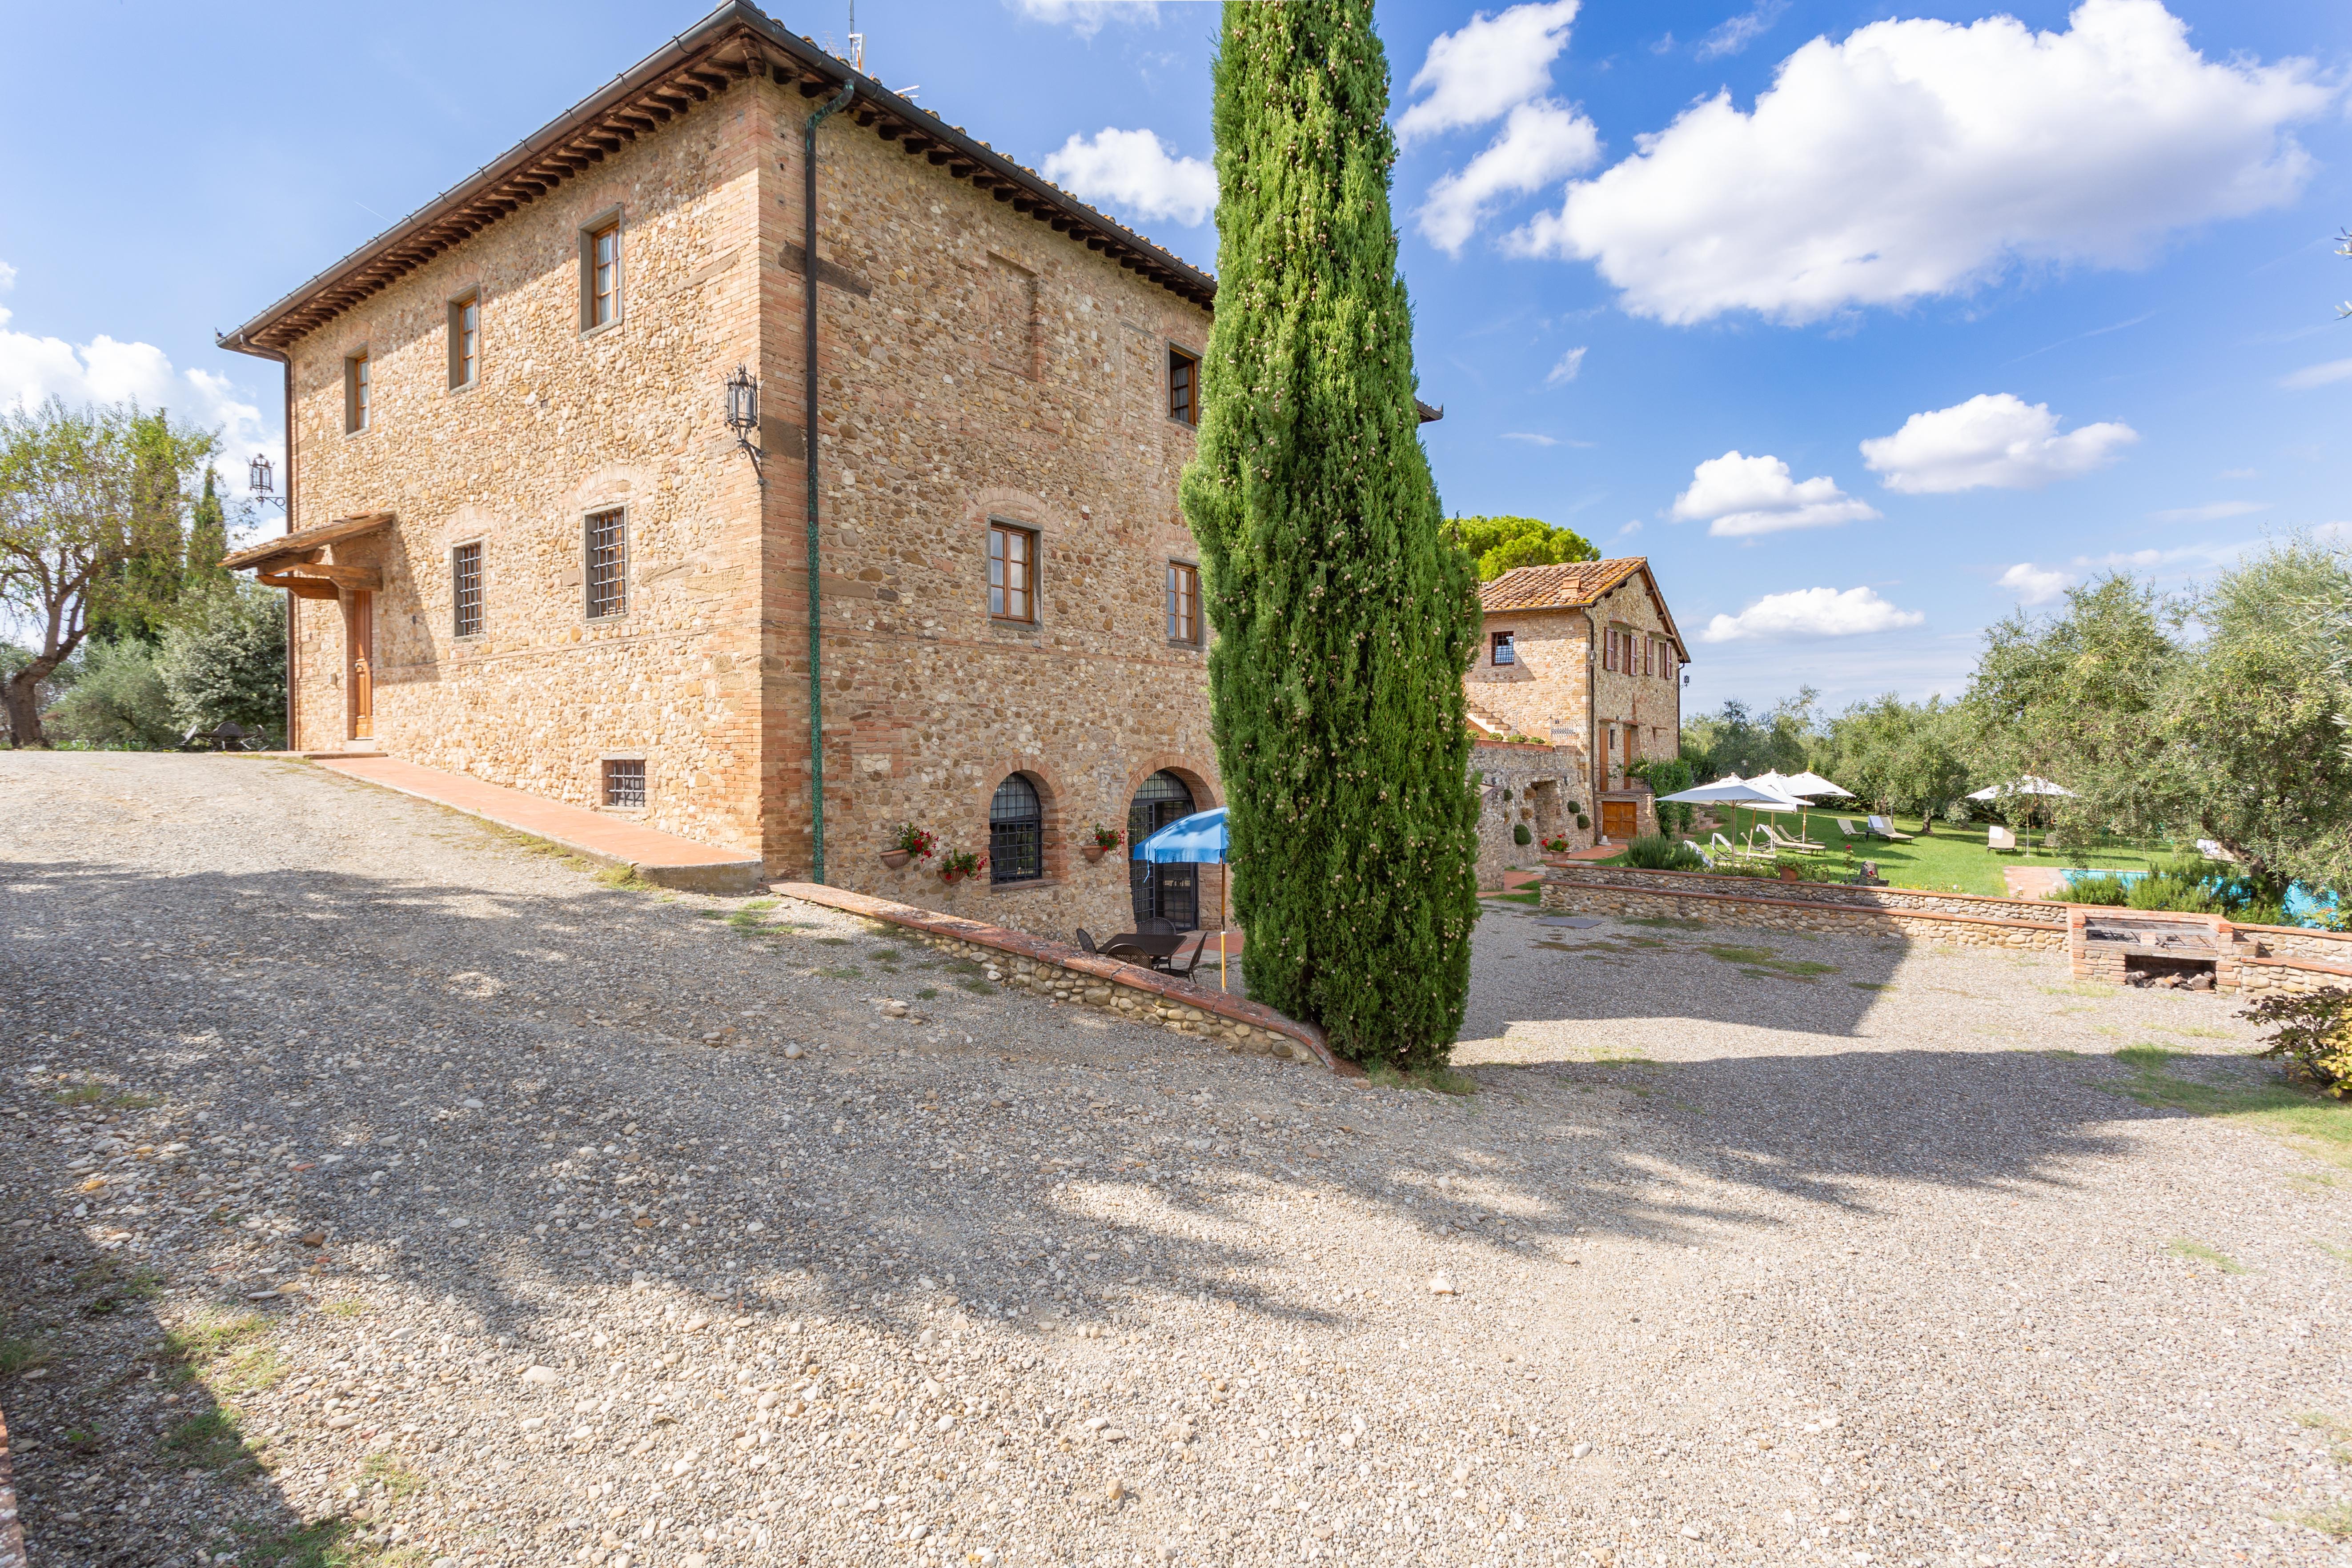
[525, 544]
[1579, 676]
[538, 533]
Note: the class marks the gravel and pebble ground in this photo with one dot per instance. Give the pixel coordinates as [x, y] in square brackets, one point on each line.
[380, 1188]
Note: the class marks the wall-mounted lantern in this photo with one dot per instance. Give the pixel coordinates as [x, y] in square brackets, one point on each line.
[260, 482]
[743, 418]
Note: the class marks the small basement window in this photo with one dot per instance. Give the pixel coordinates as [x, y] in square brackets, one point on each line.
[625, 783]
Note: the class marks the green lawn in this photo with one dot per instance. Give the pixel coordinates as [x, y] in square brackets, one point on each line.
[1950, 858]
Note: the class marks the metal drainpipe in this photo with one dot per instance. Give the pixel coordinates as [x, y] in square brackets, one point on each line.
[808, 354]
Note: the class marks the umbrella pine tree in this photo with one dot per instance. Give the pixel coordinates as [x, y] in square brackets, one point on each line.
[1344, 618]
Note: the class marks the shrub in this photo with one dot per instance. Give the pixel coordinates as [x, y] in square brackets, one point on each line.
[2107, 890]
[1656, 852]
[224, 661]
[1519, 834]
[2313, 1033]
[117, 701]
[1584, 822]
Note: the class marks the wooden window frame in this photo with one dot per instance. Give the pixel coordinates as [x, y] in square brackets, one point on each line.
[465, 369]
[1183, 604]
[604, 223]
[588, 566]
[1190, 415]
[457, 602]
[1503, 649]
[359, 392]
[1001, 591]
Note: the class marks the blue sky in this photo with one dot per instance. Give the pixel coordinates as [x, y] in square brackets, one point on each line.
[1864, 323]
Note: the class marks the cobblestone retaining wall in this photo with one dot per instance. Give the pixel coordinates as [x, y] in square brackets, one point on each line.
[1090, 980]
[1777, 914]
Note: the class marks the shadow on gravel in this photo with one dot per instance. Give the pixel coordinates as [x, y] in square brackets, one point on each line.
[501, 1038]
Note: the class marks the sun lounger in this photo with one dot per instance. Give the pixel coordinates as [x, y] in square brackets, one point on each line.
[1736, 852]
[1782, 841]
[1700, 850]
[1846, 827]
[1998, 838]
[1884, 827]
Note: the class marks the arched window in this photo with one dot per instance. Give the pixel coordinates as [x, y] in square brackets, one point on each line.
[1017, 832]
[1161, 893]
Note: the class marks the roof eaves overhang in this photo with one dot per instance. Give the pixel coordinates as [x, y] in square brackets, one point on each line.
[283, 546]
[733, 43]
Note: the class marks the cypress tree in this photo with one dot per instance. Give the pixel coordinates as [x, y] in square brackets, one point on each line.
[1344, 618]
[209, 539]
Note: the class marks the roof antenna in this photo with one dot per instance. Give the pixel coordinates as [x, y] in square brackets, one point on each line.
[856, 40]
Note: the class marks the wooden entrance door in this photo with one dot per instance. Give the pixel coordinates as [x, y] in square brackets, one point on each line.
[362, 646]
[1617, 818]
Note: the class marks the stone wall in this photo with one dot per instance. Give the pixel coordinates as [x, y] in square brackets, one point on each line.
[1894, 899]
[1065, 974]
[1524, 786]
[1768, 914]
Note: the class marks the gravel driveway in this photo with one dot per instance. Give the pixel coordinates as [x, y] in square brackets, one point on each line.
[368, 1177]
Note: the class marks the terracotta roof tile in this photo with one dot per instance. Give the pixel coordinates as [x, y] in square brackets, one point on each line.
[1568, 587]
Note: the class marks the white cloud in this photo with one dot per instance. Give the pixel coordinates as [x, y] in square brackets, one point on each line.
[1742, 30]
[7, 278]
[2036, 585]
[2212, 511]
[1085, 18]
[1919, 157]
[1739, 496]
[1570, 366]
[1531, 438]
[1137, 173]
[1541, 141]
[1489, 67]
[105, 370]
[2313, 375]
[1992, 441]
[1810, 612]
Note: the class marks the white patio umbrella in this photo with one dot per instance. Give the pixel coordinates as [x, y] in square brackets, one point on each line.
[1802, 787]
[1734, 790]
[2028, 784]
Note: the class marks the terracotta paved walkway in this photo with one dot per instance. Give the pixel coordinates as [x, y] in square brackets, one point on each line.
[659, 857]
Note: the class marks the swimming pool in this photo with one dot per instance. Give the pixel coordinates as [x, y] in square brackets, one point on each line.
[2303, 907]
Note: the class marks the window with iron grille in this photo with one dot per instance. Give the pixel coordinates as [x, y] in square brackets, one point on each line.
[1012, 573]
[1183, 603]
[465, 590]
[1017, 832]
[464, 339]
[608, 564]
[1183, 387]
[1505, 651]
[624, 782]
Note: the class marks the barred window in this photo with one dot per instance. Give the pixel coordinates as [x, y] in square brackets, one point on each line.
[1017, 832]
[608, 564]
[1183, 603]
[1012, 573]
[466, 589]
[624, 782]
[1505, 650]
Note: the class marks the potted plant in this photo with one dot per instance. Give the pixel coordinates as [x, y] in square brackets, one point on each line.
[958, 864]
[1555, 848]
[911, 842]
[1100, 842]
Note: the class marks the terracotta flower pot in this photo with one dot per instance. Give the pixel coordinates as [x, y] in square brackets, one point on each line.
[950, 878]
[894, 858]
[1788, 874]
[1094, 852]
